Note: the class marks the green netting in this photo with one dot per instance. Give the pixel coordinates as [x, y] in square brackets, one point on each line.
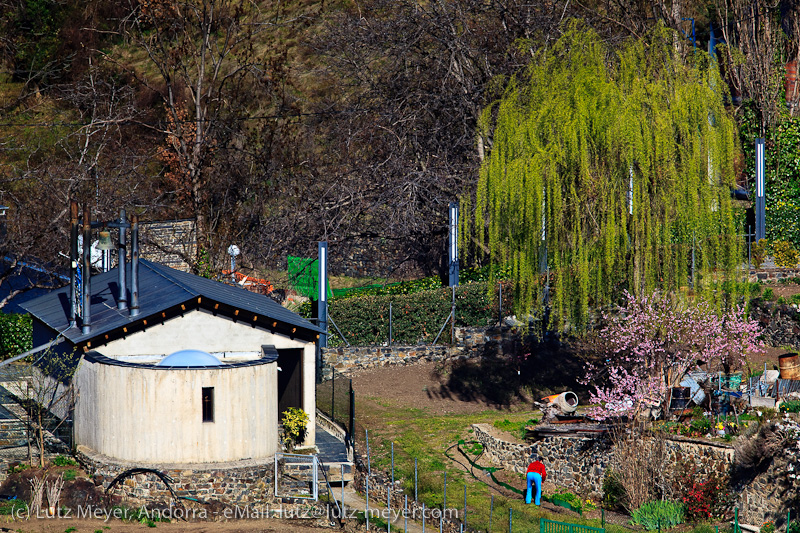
[303, 276]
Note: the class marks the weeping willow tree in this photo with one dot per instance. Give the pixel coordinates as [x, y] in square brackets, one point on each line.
[610, 170]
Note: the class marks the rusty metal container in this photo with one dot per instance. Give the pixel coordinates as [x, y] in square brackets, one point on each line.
[789, 365]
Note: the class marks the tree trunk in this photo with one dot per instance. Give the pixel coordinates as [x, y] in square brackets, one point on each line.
[41, 440]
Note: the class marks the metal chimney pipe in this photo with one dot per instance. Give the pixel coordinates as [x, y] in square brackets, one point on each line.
[134, 265]
[122, 259]
[73, 263]
[86, 275]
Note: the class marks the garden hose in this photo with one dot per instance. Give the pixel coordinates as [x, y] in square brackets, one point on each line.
[488, 469]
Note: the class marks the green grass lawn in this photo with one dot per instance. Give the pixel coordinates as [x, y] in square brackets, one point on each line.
[417, 433]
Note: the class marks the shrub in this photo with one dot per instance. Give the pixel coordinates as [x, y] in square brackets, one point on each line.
[61, 460]
[613, 491]
[784, 254]
[795, 299]
[768, 294]
[700, 423]
[295, 423]
[794, 527]
[70, 474]
[16, 334]
[758, 252]
[573, 500]
[658, 514]
[706, 496]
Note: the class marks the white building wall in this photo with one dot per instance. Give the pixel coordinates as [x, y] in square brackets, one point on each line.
[202, 330]
[153, 415]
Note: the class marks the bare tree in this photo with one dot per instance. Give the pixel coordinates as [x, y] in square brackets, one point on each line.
[754, 54]
[45, 394]
[199, 56]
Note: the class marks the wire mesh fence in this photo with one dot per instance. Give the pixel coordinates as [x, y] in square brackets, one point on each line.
[426, 317]
[336, 400]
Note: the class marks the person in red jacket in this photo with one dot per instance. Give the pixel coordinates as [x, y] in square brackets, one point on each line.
[536, 475]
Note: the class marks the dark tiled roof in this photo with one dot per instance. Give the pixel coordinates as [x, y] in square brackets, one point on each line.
[160, 288]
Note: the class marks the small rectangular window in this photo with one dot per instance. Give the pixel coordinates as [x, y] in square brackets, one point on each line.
[208, 404]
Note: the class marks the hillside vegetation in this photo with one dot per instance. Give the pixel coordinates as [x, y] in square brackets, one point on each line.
[272, 124]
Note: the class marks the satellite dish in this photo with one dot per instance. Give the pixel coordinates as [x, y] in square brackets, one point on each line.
[233, 250]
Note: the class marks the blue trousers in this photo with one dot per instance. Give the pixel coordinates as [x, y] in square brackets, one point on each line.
[534, 477]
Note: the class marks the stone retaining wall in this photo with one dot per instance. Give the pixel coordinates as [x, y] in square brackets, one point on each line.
[767, 274]
[780, 324]
[578, 464]
[470, 342]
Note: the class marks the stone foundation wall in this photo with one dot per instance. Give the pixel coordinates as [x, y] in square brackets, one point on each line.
[470, 342]
[251, 485]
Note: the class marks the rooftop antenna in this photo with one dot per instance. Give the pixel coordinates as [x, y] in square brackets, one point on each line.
[73, 263]
[134, 265]
[86, 274]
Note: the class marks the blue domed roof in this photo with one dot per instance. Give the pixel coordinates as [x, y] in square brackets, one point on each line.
[190, 358]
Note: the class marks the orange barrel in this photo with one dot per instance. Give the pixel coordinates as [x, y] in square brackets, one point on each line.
[789, 365]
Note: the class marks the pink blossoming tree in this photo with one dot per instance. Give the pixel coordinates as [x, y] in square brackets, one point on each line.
[654, 341]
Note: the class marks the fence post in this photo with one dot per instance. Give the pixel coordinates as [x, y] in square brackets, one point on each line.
[352, 417]
[333, 392]
[366, 512]
[369, 470]
[464, 520]
[453, 318]
[405, 514]
[392, 463]
[491, 510]
[602, 518]
[415, 480]
[510, 510]
[444, 498]
[390, 323]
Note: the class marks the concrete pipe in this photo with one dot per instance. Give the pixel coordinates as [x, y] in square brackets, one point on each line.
[566, 401]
